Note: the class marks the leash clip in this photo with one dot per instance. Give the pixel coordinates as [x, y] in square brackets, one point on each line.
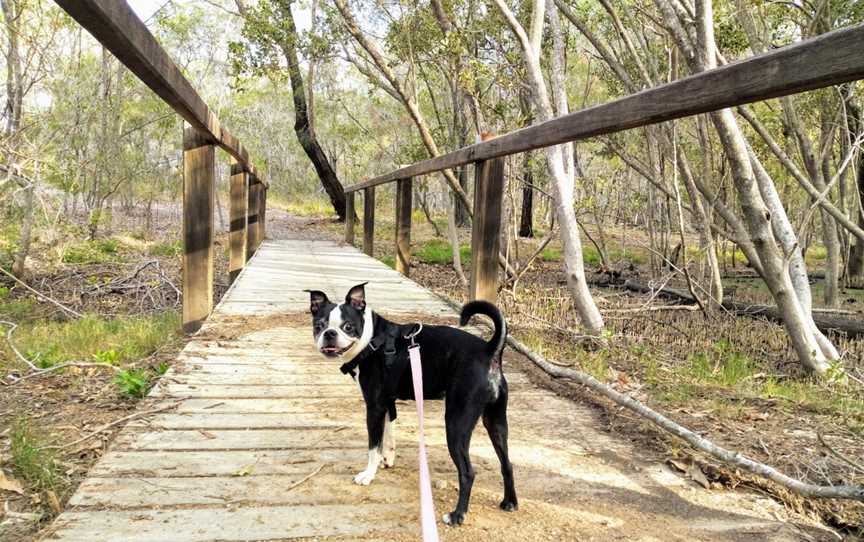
[413, 334]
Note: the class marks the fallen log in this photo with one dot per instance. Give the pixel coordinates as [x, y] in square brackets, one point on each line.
[852, 326]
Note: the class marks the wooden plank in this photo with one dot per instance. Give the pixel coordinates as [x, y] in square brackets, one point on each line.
[350, 217]
[828, 59]
[403, 225]
[252, 241]
[238, 215]
[116, 26]
[326, 488]
[257, 523]
[486, 229]
[252, 439]
[369, 221]
[171, 464]
[262, 212]
[199, 178]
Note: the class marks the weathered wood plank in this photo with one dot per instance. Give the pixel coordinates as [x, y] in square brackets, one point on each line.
[326, 488]
[237, 216]
[369, 222]
[258, 523]
[253, 207]
[199, 178]
[486, 229]
[828, 59]
[404, 193]
[350, 217]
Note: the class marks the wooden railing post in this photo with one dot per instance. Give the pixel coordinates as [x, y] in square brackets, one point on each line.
[485, 235]
[349, 218]
[252, 217]
[262, 212]
[199, 180]
[368, 220]
[403, 225]
[237, 214]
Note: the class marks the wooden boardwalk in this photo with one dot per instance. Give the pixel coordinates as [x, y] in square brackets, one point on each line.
[265, 437]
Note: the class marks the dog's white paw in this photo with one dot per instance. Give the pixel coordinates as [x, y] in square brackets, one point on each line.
[388, 458]
[364, 478]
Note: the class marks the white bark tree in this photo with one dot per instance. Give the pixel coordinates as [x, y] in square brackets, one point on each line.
[559, 158]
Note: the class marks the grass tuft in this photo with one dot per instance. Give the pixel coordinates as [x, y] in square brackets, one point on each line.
[93, 252]
[30, 460]
[115, 341]
[437, 251]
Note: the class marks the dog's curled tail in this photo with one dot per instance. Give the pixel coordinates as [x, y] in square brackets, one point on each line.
[496, 343]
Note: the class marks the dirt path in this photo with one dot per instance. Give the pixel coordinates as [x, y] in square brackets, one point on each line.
[266, 437]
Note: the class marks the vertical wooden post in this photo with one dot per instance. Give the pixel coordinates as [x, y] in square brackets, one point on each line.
[369, 220]
[237, 214]
[485, 235]
[252, 217]
[349, 217]
[403, 225]
[262, 213]
[199, 176]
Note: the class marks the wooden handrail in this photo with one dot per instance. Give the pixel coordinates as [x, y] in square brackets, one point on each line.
[118, 28]
[828, 59]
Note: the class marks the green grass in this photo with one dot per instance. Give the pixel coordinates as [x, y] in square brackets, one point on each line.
[721, 365]
[30, 460]
[91, 252]
[93, 338]
[551, 254]
[437, 251]
[389, 261]
[167, 249]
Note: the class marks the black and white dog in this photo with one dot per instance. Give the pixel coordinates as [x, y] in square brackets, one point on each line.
[457, 366]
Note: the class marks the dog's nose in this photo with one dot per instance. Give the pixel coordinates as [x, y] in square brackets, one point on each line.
[330, 334]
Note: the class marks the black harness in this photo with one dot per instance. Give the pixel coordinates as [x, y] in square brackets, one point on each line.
[394, 364]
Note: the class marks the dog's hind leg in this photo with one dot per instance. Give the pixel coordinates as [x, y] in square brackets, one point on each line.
[460, 421]
[388, 445]
[495, 422]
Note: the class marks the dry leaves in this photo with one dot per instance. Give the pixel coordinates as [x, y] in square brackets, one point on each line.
[10, 484]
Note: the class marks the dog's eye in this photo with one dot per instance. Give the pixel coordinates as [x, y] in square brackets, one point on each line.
[348, 326]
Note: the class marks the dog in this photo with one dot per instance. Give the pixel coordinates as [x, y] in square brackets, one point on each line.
[459, 367]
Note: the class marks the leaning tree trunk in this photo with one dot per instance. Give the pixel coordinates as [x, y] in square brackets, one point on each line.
[302, 127]
[763, 221]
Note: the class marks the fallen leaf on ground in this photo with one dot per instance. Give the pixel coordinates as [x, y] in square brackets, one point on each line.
[10, 484]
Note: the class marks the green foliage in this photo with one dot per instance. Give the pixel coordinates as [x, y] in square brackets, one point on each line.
[167, 249]
[389, 261]
[133, 383]
[437, 251]
[38, 466]
[721, 365]
[552, 254]
[114, 341]
[93, 252]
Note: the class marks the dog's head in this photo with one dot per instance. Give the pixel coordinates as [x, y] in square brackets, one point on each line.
[343, 330]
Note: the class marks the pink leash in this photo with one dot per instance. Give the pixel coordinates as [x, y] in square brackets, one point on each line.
[427, 507]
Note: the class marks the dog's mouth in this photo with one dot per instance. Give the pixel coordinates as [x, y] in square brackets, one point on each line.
[335, 351]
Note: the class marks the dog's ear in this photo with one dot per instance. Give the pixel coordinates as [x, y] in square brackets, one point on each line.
[317, 299]
[356, 297]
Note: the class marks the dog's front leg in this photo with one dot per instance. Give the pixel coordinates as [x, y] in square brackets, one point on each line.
[375, 429]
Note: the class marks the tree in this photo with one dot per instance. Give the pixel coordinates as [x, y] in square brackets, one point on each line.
[270, 26]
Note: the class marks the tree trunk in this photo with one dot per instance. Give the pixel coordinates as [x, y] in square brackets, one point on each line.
[302, 126]
[562, 176]
[856, 256]
[526, 219]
